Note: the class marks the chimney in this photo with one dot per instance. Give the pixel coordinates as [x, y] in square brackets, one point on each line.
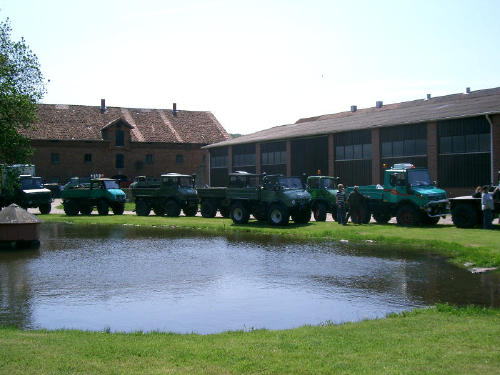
[379, 103]
[103, 105]
[175, 109]
[428, 96]
[354, 108]
[467, 90]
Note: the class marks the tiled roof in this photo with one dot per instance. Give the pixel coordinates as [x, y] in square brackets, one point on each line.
[476, 103]
[78, 122]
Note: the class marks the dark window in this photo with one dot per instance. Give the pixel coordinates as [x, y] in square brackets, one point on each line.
[420, 147]
[367, 151]
[484, 143]
[149, 158]
[472, 142]
[409, 147]
[349, 152]
[358, 151]
[458, 144]
[87, 158]
[54, 158]
[397, 148]
[119, 161]
[179, 159]
[445, 145]
[339, 153]
[386, 149]
[120, 138]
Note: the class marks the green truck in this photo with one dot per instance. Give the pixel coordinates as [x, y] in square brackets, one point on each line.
[271, 198]
[169, 194]
[19, 185]
[323, 190]
[103, 193]
[408, 194]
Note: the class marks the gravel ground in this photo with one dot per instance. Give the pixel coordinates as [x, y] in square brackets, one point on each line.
[58, 202]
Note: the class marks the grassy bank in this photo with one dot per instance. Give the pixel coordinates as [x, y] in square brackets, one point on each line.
[442, 340]
[477, 246]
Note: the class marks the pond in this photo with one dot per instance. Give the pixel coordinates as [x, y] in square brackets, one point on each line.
[127, 278]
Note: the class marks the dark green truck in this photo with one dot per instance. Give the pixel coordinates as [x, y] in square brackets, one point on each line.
[408, 194]
[271, 198]
[169, 194]
[25, 190]
[323, 190]
[103, 193]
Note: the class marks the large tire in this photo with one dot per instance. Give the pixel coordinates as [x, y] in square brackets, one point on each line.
[71, 207]
[239, 213]
[208, 209]
[320, 212]
[278, 215]
[44, 208]
[86, 209]
[190, 210]
[302, 216]
[159, 210]
[408, 216]
[102, 207]
[173, 209]
[118, 208]
[381, 217]
[142, 208]
[464, 216]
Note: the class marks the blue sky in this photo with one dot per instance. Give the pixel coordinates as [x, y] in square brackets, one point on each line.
[257, 64]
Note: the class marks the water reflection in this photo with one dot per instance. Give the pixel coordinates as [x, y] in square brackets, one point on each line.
[132, 278]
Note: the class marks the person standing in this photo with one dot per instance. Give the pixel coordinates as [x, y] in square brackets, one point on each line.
[340, 200]
[356, 203]
[488, 206]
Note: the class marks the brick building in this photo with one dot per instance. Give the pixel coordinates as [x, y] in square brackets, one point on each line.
[457, 137]
[76, 140]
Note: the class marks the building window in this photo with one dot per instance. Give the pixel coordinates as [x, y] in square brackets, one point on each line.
[54, 158]
[403, 141]
[120, 137]
[149, 159]
[219, 161]
[119, 161]
[87, 158]
[242, 160]
[179, 159]
[464, 136]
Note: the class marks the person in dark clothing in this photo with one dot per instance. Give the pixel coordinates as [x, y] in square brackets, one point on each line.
[340, 200]
[357, 205]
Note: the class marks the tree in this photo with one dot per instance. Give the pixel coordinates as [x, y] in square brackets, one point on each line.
[21, 87]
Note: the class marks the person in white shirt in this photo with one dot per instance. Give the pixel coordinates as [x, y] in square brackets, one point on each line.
[488, 207]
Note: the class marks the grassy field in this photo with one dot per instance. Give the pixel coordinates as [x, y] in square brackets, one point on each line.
[478, 246]
[441, 340]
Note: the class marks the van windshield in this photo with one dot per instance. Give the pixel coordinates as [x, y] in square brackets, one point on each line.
[111, 185]
[290, 183]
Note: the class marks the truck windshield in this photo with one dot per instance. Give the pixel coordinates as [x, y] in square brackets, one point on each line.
[111, 185]
[31, 183]
[328, 183]
[419, 178]
[185, 182]
[290, 183]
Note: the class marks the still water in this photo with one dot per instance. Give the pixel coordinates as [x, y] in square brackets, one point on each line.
[126, 278]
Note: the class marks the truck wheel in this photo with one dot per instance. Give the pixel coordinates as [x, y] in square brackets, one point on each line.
[190, 210]
[381, 217]
[278, 215]
[102, 207]
[86, 209]
[118, 208]
[142, 208]
[407, 216]
[44, 208]
[159, 210]
[302, 216]
[464, 216]
[71, 208]
[208, 209]
[320, 212]
[173, 209]
[239, 213]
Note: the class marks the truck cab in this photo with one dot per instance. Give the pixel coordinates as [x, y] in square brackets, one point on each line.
[323, 190]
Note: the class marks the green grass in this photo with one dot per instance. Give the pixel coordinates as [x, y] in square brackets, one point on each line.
[442, 340]
[477, 246]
